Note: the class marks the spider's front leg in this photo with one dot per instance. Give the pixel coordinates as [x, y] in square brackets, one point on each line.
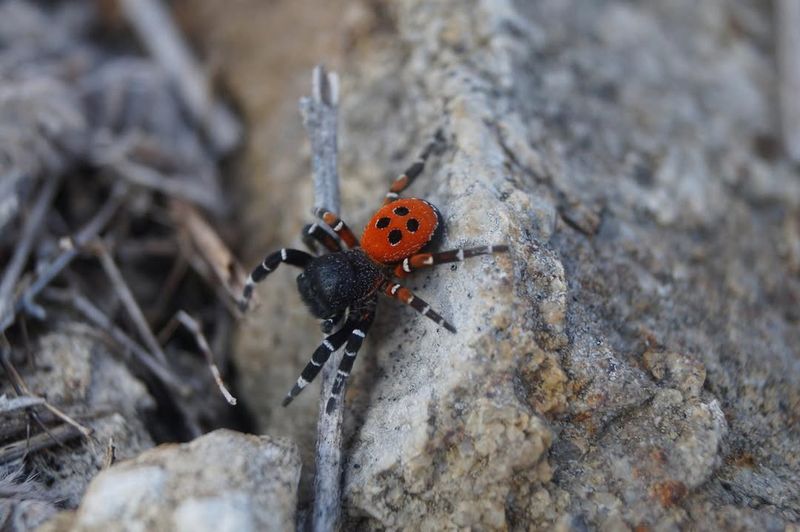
[366, 314]
[295, 257]
[321, 355]
[339, 227]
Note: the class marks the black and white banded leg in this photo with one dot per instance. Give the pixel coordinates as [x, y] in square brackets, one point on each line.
[321, 355]
[404, 180]
[295, 257]
[417, 303]
[428, 260]
[313, 234]
[350, 353]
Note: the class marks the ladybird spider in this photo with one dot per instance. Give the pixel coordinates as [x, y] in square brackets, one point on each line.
[345, 283]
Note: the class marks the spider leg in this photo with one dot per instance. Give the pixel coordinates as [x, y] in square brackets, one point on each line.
[404, 180]
[329, 324]
[407, 296]
[321, 354]
[338, 226]
[313, 234]
[295, 257]
[426, 260]
[350, 351]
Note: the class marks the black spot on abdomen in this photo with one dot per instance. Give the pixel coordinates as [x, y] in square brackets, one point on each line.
[395, 236]
[382, 222]
[401, 211]
[412, 225]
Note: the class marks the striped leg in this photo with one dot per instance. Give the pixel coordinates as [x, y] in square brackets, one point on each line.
[426, 260]
[295, 257]
[314, 234]
[407, 296]
[404, 180]
[350, 352]
[321, 355]
[338, 226]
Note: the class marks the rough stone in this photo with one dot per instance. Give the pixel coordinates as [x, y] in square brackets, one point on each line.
[633, 361]
[222, 481]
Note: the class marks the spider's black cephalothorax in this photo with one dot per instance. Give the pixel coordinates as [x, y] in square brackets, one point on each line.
[342, 287]
[332, 283]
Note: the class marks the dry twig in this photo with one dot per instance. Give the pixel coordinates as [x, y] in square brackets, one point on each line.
[788, 34]
[183, 318]
[57, 265]
[24, 245]
[55, 436]
[161, 37]
[103, 322]
[320, 119]
[128, 301]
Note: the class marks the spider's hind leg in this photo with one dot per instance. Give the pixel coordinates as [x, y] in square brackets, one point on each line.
[408, 297]
[427, 260]
[404, 180]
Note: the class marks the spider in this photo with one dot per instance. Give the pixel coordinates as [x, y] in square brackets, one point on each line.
[344, 284]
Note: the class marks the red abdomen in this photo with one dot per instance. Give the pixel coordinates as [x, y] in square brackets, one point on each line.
[400, 229]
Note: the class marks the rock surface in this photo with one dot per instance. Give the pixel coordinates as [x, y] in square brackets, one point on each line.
[634, 360]
[222, 481]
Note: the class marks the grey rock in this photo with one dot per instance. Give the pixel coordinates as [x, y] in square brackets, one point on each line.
[633, 362]
[222, 481]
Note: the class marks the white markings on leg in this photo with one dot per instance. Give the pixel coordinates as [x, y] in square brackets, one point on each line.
[328, 345]
[301, 382]
[339, 226]
[425, 311]
[428, 260]
[349, 353]
[283, 254]
[406, 266]
[460, 254]
[359, 332]
[394, 289]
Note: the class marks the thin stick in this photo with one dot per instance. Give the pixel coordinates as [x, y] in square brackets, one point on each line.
[57, 265]
[158, 33]
[129, 302]
[23, 247]
[54, 436]
[787, 15]
[191, 324]
[319, 118]
[20, 386]
[98, 318]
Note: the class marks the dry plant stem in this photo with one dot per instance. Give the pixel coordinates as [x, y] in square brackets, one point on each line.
[319, 118]
[8, 405]
[96, 316]
[177, 187]
[787, 20]
[183, 318]
[55, 436]
[158, 33]
[22, 389]
[57, 265]
[23, 247]
[129, 302]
